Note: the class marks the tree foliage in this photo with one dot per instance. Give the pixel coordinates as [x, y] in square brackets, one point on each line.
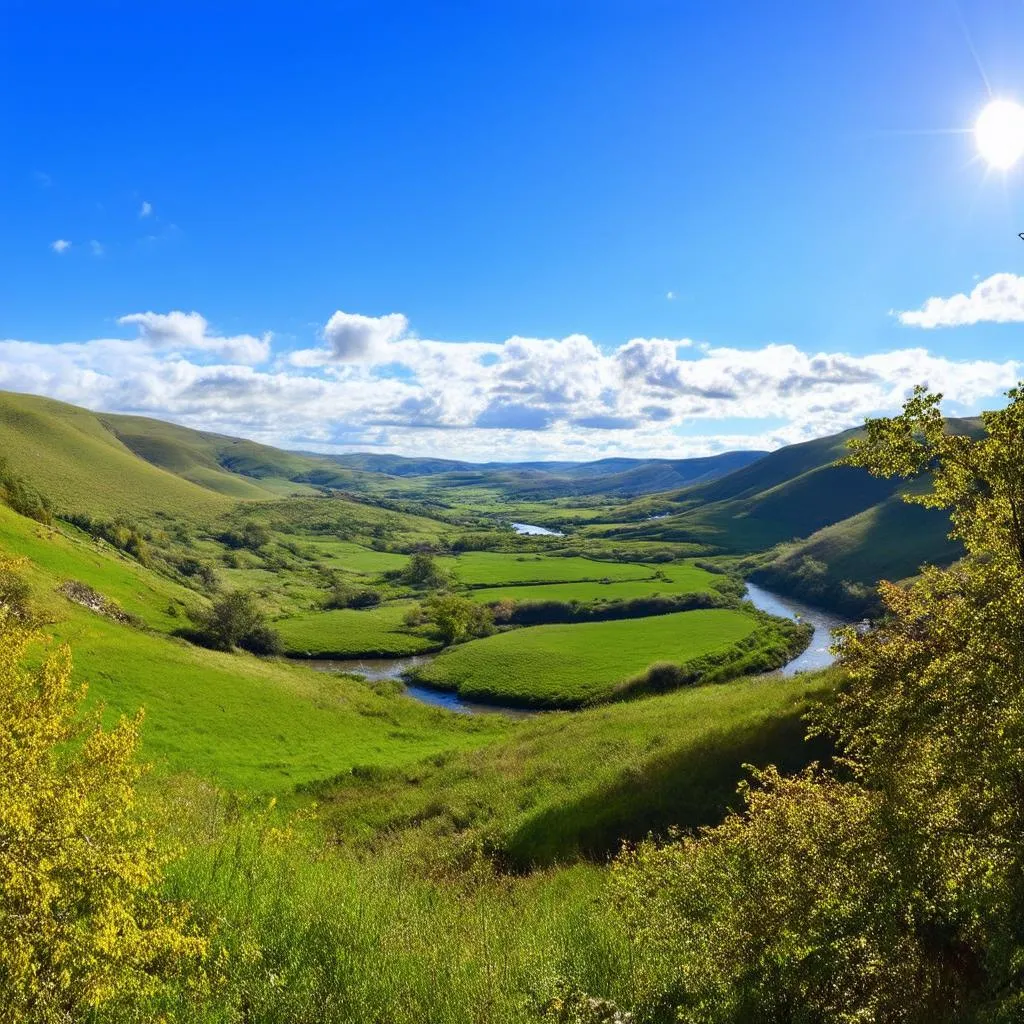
[458, 618]
[893, 891]
[81, 924]
[235, 619]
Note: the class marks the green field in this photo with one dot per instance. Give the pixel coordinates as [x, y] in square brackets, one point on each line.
[351, 633]
[561, 665]
[483, 568]
[350, 557]
[681, 579]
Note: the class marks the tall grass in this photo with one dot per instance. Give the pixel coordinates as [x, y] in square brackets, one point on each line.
[308, 935]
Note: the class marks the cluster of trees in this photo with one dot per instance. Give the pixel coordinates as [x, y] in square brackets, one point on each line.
[122, 534]
[890, 888]
[250, 535]
[25, 499]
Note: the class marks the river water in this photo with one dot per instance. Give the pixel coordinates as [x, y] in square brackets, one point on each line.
[529, 530]
[818, 654]
[376, 669]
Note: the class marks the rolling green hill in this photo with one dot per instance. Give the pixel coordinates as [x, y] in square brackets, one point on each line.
[82, 466]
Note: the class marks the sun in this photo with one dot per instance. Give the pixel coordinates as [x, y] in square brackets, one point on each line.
[999, 133]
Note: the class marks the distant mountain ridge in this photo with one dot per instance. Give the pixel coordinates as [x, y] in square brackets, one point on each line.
[538, 480]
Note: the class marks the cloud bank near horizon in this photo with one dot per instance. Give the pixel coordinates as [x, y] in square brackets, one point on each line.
[371, 382]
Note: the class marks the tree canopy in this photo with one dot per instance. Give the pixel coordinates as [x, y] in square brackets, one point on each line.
[889, 887]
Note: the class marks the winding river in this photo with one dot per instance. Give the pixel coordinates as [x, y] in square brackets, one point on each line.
[818, 654]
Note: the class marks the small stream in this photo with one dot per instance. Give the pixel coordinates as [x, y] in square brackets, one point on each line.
[529, 530]
[376, 669]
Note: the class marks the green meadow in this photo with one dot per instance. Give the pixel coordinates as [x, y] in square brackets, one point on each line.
[352, 633]
[485, 568]
[569, 665]
[675, 579]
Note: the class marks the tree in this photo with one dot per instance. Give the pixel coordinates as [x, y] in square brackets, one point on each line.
[458, 618]
[896, 891]
[422, 571]
[235, 619]
[81, 923]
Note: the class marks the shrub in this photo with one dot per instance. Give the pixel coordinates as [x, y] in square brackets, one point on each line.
[235, 620]
[343, 596]
[251, 535]
[458, 618]
[81, 925]
[23, 497]
[15, 592]
[422, 572]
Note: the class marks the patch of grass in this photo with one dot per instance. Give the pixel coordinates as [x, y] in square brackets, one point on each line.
[353, 633]
[570, 665]
[675, 579]
[565, 785]
[487, 568]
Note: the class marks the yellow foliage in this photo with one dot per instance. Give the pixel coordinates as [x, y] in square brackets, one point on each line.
[82, 926]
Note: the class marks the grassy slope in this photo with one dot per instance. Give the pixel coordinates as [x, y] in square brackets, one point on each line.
[838, 567]
[81, 466]
[186, 453]
[566, 784]
[568, 664]
[236, 719]
[681, 579]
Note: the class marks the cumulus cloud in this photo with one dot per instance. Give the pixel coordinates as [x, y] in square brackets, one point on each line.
[60, 245]
[189, 332]
[373, 383]
[353, 337]
[145, 209]
[998, 299]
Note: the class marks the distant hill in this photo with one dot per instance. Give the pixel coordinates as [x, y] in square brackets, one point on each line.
[829, 532]
[538, 481]
[116, 464]
[800, 522]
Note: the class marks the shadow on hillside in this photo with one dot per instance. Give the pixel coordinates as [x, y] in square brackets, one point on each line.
[687, 789]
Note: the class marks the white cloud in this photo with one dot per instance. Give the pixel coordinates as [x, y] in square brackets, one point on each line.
[145, 209]
[997, 299]
[188, 332]
[61, 245]
[373, 383]
[96, 248]
[352, 337]
[670, 295]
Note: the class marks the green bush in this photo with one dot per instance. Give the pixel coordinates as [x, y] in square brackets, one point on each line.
[235, 619]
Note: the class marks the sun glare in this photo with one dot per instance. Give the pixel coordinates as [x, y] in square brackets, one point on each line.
[999, 133]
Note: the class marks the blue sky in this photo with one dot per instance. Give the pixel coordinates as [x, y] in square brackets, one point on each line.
[695, 221]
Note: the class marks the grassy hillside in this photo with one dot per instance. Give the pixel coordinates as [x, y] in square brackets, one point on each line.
[82, 466]
[570, 784]
[189, 454]
[786, 496]
[838, 567]
[238, 720]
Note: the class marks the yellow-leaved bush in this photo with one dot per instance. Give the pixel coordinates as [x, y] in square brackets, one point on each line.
[83, 930]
